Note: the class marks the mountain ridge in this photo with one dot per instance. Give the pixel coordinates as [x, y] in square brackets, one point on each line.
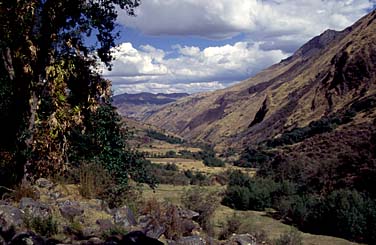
[323, 76]
[141, 105]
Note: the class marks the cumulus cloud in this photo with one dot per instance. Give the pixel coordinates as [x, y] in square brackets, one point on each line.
[191, 70]
[271, 29]
[168, 88]
[274, 21]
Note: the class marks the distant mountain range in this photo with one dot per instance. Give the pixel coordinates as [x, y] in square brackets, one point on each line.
[331, 76]
[140, 106]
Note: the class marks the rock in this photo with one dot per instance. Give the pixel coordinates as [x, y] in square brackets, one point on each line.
[190, 240]
[124, 216]
[27, 238]
[10, 217]
[105, 224]
[154, 230]
[187, 214]
[44, 183]
[134, 237]
[95, 241]
[70, 210]
[2, 241]
[242, 239]
[89, 232]
[55, 195]
[34, 208]
[151, 228]
[188, 226]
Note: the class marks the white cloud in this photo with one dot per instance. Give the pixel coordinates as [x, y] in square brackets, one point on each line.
[212, 68]
[168, 88]
[272, 29]
[274, 20]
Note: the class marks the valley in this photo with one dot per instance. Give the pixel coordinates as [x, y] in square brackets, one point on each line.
[220, 138]
[298, 138]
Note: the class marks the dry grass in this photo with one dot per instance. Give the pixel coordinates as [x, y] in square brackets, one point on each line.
[196, 165]
[160, 147]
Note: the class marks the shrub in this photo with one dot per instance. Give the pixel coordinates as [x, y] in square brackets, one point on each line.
[292, 237]
[170, 154]
[205, 203]
[45, 226]
[231, 226]
[24, 190]
[346, 212]
[237, 197]
[253, 158]
[167, 138]
[94, 180]
[166, 215]
[113, 231]
[256, 193]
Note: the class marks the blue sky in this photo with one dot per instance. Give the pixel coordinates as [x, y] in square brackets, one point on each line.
[203, 45]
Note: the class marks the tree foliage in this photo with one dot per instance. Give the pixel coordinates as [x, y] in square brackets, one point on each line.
[55, 106]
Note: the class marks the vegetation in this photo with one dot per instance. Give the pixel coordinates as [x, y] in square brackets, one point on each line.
[205, 203]
[56, 108]
[160, 136]
[46, 226]
[292, 237]
[207, 155]
[170, 174]
[332, 197]
[253, 158]
[231, 226]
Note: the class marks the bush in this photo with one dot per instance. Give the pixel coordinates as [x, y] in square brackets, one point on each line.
[293, 237]
[256, 193]
[253, 158]
[167, 138]
[165, 215]
[237, 197]
[231, 226]
[94, 180]
[205, 203]
[45, 226]
[212, 161]
[23, 190]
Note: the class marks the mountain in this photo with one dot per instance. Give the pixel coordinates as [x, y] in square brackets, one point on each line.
[139, 106]
[327, 76]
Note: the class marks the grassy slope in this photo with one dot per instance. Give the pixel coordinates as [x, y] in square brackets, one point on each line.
[251, 220]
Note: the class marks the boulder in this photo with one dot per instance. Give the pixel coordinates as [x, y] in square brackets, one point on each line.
[44, 183]
[69, 210]
[150, 227]
[242, 239]
[190, 240]
[34, 208]
[10, 217]
[105, 224]
[135, 238]
[124, 216]
[27, 238]
[2, 241]
[187, 214]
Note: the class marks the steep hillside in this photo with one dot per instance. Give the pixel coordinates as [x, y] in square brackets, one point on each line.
[139, 106]
[324, 76]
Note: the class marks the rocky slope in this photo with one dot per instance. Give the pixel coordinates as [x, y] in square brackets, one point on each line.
[326, 75]
[140, 106]
[58, 214]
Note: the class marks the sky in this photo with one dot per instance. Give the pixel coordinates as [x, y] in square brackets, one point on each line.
[194, 46]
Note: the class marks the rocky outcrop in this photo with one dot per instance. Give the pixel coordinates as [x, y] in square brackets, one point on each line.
[61, 210]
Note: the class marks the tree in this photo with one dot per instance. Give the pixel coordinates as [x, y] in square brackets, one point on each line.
[48, 82]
